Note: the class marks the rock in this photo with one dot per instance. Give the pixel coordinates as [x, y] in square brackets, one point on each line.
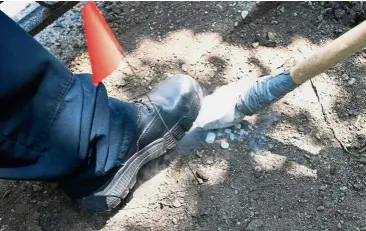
[344, 188]
[345, 77]
[244, 14]
[59, 24]
[357, 187]
[132, 10]
[210, 138]
[37, 188]
[323, 187]
[257, 171]
[320, 208]
[219, 134]
[255, 225]
[238, 126]
[209, 160]
[175, 221]
[271, 36]
[238, 223]
[295, 14]
[176, 204]
[255, 45]
[339, 13]
[184, 67]
[351, 81]
[7, 193]
[202, 174]
[199, 153]
[232, 136]
[243, 132]
[45, 203]
[224, 144]
[282, 9]
[339, 226]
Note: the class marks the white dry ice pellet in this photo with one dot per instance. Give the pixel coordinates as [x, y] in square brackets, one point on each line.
[210, 138]
[227, 130]
[224, 144]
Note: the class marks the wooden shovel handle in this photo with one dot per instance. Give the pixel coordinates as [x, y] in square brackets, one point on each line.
[343, 47]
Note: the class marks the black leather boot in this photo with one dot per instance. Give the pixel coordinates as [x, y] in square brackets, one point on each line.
[164, 116]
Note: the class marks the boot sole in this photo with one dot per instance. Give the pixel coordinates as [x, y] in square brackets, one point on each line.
[125, 179]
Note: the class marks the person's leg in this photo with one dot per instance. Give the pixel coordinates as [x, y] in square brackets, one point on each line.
[57, 126]
[53, 122]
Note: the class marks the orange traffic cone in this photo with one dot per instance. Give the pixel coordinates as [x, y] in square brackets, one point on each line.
[103, 48]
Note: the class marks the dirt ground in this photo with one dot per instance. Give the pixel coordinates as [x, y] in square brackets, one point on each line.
[289, 173]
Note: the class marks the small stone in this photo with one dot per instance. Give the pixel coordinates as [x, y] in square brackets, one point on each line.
[202, 174]
[282, 9]
[345, 77]
[357, 187]
[257, 171]
[177, 204]
[323, 187]
[307, 156]
[237, 126]
[243, 132]
[238, 223]
[339, 13]
[37, 188]
[175, 221]
[320, 208]
[132, 10]
[236, 192]
[339, 226]
[244, 14]
[344, 188]
[210, 138]
[255, 225]
[351, 81]
[255, 45]
[232, 136]
[184, 67]
[7, 193]
[224, 144]
[199, 154]
[220, 134]
[271, 36]
[227, 130]
[209, 160]
[236, 24]
[59, 24]
[45, 203]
